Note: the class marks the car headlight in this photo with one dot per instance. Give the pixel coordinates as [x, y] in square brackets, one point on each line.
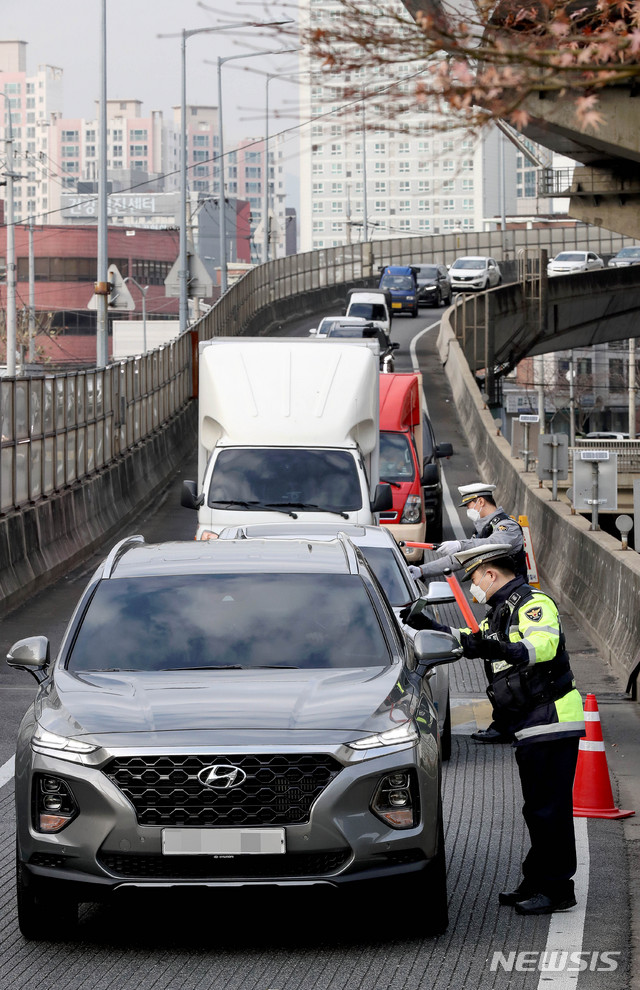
[412, 512]
[64, 747]
[405, 734]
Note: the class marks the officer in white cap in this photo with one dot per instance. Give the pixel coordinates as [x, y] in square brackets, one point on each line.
[533, 690]
[492, 525]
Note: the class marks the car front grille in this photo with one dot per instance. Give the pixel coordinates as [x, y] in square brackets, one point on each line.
[301, 865]
[277, 789]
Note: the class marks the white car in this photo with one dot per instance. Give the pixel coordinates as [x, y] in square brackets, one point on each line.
[474, 273]
[570, 262]
[373, 305]
[329, 323]
[625, 257]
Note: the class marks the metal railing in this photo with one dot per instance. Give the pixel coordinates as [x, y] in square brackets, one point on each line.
[59, 429]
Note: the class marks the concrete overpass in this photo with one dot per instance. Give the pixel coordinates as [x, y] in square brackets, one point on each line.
[606, 191]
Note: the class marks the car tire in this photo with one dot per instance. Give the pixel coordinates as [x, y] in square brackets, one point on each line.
[434, 529]
[427, 891]
[414, 311]
[445, 737]
[43, 913]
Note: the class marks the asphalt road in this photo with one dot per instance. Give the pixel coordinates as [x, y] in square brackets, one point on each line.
[261, 939]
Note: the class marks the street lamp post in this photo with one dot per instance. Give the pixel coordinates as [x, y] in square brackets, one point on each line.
[143, 291]
[223, 220]
[183, 265]
[11, 247]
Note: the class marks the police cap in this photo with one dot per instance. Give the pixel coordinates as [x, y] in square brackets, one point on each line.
[474, 490]
[500, 553]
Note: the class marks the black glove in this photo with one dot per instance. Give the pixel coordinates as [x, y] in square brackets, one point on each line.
[419, 620]
[476, 646]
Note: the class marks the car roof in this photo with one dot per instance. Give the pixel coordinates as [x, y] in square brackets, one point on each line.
[355, 321]
[363, 536]
[133, 557]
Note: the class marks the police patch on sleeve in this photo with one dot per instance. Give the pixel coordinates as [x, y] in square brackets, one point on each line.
[534, 613]
[501, 529]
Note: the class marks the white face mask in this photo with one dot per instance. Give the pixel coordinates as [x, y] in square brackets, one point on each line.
[473, 515]
[478, 593]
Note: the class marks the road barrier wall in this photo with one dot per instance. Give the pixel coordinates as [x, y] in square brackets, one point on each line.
[586, 571]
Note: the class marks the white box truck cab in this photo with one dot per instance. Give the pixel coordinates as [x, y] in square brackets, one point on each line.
[372, 304]
[287, 429]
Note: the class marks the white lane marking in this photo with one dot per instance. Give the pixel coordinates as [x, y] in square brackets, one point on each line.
[447, 500]
[7, 770]
[566, 929]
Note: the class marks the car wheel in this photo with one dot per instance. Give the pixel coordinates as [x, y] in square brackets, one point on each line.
[434, 528]
[414, 311]
[445, 738]
[43, 914]
[427, 892]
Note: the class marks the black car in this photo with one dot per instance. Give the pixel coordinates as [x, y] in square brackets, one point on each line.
[434, 285]
[432, 475]
[224, 714]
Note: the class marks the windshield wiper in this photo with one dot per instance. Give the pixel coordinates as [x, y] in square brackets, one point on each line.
[253, 505]
[387, 481]
[210, 666]
[312, 505]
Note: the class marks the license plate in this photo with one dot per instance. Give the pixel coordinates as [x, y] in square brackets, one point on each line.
[396, 305]
[222, 841]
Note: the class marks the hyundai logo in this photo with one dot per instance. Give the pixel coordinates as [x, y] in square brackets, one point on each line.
[222, 776]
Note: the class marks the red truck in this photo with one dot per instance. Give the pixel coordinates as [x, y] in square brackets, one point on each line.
[409, 462]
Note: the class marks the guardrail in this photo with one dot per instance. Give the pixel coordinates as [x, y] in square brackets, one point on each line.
[58, 430]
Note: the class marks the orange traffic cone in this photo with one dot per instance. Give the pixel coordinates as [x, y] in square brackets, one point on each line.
[592, 795]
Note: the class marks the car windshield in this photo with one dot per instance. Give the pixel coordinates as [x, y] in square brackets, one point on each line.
[357, 331]
[630, 252]
[388, 571]
[571, 256]
[396, 461]
[428, 271]
[396, 282]
[472, 263]
[183, 622]
[264, 477]
[370, 311]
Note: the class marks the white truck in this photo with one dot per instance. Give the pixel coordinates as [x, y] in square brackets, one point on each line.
[287, 428]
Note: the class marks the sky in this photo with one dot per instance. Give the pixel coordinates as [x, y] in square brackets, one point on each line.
[66, 33]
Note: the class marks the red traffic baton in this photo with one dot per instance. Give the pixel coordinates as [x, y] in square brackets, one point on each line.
[463, 604]
[424, 546]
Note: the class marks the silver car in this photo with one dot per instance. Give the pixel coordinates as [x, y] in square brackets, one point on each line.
[229, 713]
[574, 262]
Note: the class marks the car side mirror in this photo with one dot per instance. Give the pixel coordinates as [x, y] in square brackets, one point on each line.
[383, 499]
[444, 450]
[432, 648]
[429, 474]
[32, 654]
[313, 331]
[395, 346]
[439, 593]
[189, 497]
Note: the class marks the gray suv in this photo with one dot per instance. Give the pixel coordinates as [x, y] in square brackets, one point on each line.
[222, 713]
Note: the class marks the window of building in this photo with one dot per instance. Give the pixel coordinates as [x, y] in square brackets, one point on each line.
[380, 168]
[448, 205]
[70, 136]
[318, 188]
[404, 187]
[467, 205]
[467, 185]
[253, 172]
[380, 206]
[424, 205]
[380, 188]
[424, 186]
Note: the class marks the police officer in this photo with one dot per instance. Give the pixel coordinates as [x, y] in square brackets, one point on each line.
[492, 525]
[533, 690]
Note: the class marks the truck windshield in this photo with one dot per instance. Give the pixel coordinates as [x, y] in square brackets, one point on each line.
[265, 476]
[396, 282]
[229, 621]
[370, 311]
[396, 458]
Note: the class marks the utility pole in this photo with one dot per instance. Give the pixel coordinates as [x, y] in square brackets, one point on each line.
[32, 296]
[11, 248]
[102, 283]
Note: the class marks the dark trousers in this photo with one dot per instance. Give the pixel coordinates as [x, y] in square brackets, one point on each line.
[547, 770]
